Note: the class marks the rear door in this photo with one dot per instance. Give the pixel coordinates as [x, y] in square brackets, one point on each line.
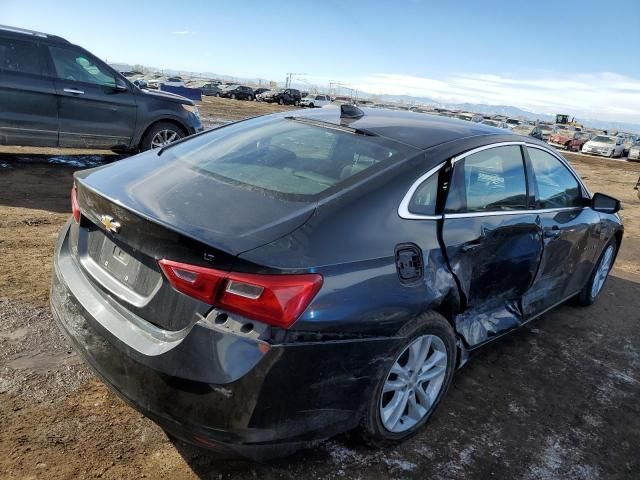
[492, 242]
[92, 112]
[571, 232]
[28, 103]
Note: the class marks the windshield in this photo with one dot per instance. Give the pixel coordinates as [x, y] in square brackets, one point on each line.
[524, 129]
[492, 123]
[603, 139]
[286, 156]
[513, 121]
[546, 129]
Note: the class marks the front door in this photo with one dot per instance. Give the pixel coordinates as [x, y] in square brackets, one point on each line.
[493, 244]
[28, 102]
[570, 232]
[93, 113]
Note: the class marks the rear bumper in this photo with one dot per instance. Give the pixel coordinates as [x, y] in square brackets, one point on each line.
[259, 406]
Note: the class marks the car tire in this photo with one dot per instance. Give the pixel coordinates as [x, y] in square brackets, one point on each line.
[250, 98]
[598, 277]
[217, 94]
[281, 101]
[311, 105]
[160, 130]
[435, 329]
[296, 102]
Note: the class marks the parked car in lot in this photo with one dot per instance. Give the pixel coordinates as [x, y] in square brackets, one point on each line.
[606, 145]
[288, 96]
[312, 101]
[546, 131]
[56, 94]
[634, 152]
[237, 92]
[570, 140]
[359, 257]
[265, 96]
[495, 123]
[528, 130]
[211, 90]
[470, 117]
[260, 90]
[628, 142]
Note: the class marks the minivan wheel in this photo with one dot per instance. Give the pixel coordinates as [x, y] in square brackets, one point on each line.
[411, 386]
[599, 276]
[281, 101]
[217, 94]
[161, 135]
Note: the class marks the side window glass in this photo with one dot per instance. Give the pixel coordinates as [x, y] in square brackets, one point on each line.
[556, 186]
[18, 56]
[492, 180]
[77, 66]
[423, 201]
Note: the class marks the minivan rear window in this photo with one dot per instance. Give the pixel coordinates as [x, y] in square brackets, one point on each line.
[286, 156]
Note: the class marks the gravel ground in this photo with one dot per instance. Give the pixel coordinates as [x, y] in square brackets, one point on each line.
[558, 399]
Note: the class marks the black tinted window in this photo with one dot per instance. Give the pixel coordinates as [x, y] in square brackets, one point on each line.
[19, 56]
[75, 65]
[556, 186]
[490, 180]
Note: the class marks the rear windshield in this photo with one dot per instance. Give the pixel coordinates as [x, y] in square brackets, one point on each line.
[287, 156]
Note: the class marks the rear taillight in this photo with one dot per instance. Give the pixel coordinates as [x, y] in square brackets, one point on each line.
[75, 208]
[274, 299]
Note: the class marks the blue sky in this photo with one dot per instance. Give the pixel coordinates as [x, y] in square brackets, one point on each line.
[575, 56]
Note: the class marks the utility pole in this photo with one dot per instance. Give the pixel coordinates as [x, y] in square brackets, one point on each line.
[290, 76]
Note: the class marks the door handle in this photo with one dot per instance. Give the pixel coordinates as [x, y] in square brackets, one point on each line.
[74, 91]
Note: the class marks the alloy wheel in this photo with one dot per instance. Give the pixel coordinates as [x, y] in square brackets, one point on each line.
[413, 383]
[602, 272]
[164, 138]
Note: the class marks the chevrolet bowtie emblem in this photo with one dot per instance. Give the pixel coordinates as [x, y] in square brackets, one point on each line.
[109, 223]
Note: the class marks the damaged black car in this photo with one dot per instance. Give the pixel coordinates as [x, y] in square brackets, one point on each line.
[279, 280]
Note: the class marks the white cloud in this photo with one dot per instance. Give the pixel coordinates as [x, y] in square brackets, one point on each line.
[183, 32]
[606, 96]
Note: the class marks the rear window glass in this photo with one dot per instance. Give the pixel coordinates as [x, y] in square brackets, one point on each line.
[18, 56]
[286, 156]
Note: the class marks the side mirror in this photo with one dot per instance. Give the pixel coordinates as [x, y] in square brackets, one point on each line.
[604, 203]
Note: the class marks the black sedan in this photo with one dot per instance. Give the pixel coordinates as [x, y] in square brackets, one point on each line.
[282, 279]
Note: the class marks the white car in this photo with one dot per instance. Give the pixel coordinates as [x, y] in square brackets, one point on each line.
[606, 145]
[634, 152]
[470, 117]
[312, 101]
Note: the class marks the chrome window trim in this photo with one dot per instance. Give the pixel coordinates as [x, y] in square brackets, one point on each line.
[403, 208]
[510, 212]
[484, 147]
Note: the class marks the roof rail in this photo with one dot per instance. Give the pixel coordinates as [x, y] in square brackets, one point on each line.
[24, 31]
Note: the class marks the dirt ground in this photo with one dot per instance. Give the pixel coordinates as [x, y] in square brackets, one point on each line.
[556, 399]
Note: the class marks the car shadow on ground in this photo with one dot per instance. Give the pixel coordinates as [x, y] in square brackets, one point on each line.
[43, 181]
[557, 396]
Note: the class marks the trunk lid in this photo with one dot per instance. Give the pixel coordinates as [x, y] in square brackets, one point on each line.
[140, 210]
[229, 217]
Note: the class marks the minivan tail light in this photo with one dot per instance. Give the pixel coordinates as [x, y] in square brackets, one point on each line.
[75, 208]
[277, 300]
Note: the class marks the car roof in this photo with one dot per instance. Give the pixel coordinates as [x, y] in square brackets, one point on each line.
[30, 34]
[419, 130]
